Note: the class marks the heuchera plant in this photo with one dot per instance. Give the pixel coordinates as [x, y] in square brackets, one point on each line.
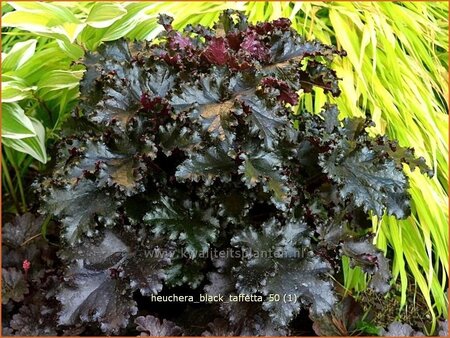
[194, 143]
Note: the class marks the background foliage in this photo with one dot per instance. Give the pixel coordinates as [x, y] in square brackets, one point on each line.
[396, 71]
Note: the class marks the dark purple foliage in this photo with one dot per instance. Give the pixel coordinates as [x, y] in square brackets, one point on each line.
[194, 144]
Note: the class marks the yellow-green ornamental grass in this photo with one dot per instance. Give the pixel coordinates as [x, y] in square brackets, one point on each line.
[396, 71]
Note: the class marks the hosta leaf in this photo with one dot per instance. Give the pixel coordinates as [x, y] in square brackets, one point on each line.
[153, 327]
[33, 146]
[20, 53]
[59, 79]
[104, 14]
[15, 89]
[15, 124]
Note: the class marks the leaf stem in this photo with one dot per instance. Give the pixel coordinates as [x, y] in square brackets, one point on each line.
[19, 181]
[44, 105]
[9, 183]
[44, 226]
[30, 239]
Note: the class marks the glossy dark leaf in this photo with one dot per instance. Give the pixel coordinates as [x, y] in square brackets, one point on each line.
[370, 259]
[93, 289]
[215, 162]
[369, 181]
[153, 327]
[285, 271]
[187, 224]
[79, 206]
[260, 166]
[341, 321]
[219, 327]
[264, 121]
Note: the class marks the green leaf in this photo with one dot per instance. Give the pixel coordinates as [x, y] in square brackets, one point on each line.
[15, 89]
[70, 29]
[33, 22]
[15, 124]
[135, 15]
[33, 146]
[20, 53]
[60, 79]
[74, 51]
[44, 18]
[104, 14]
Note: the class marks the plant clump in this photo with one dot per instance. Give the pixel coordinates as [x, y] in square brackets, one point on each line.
[192, 145]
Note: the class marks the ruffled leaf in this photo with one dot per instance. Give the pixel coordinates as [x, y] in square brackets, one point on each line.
[371, 260]
[92, 291]
[153, 327]
[80, 206]
[187, 224]
[215, 162]
[14, 285]
[370, 182]
[284, 271]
